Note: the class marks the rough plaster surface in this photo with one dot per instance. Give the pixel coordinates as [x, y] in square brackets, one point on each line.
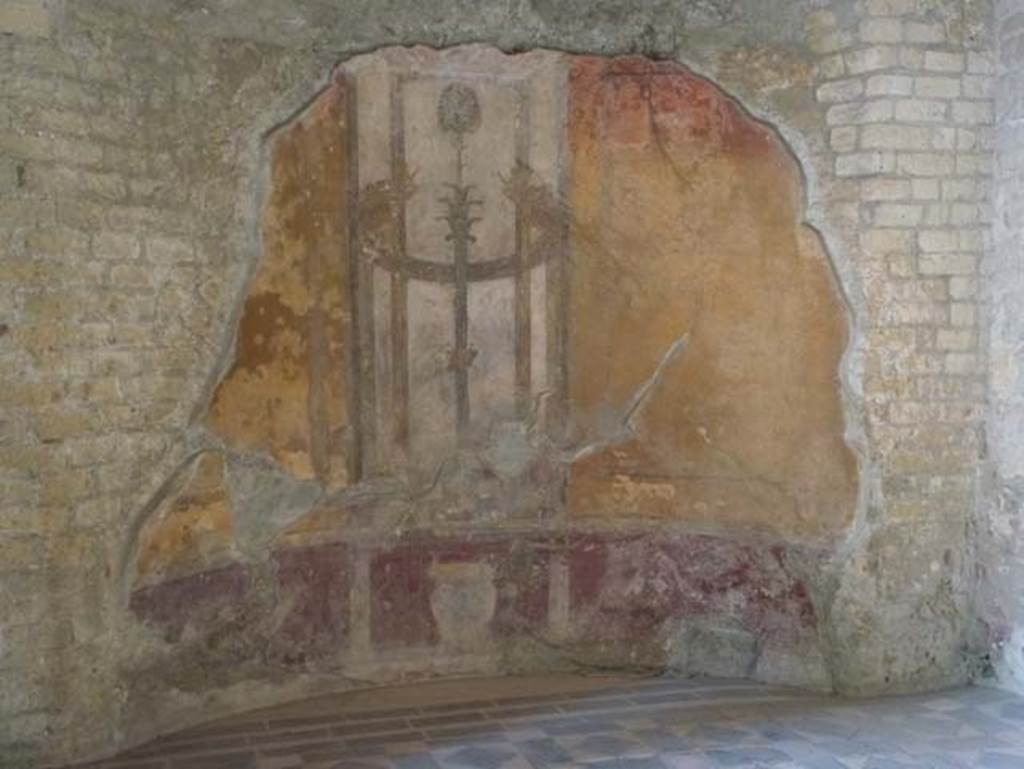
[1000, 553]
[131, 136]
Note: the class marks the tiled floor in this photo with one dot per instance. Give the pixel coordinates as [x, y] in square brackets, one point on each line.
[610, 723]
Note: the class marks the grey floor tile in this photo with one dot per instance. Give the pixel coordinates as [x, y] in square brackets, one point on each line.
[749, 757]
[545, 753]
[938, 761]
[415, 761]
[961, 744]
[889, 762]
[600, 746]
[994, 760]
[662, 740]
[582, 726]
[847, 751]
[687, 761]
[649, 762]
[712, 734]
[820, 762]
[480, 757]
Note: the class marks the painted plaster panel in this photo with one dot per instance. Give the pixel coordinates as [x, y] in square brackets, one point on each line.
[628, 587]
[287, 392]
[594, 265]
[549, 365]
[460, 592]
[312, 585]
[658, 599]
[707, 328]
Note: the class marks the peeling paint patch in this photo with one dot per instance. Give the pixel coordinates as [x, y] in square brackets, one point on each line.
[192, 531]
[196, 603]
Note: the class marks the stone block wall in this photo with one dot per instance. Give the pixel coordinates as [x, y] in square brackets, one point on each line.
[132, 155]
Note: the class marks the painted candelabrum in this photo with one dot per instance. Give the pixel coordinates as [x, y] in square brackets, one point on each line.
[440, 370]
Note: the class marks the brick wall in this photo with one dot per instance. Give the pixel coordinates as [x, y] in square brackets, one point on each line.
[129, 172]
[907, 96]
[106, 306]
[51, 172]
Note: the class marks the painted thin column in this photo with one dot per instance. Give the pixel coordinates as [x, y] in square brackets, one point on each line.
[399, 281]
[364, 392]
[522, 255]
[461, 238]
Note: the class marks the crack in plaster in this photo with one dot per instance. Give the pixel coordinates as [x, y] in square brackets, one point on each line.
[640, 397]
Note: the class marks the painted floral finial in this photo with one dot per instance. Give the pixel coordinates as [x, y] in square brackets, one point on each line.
[458, 110]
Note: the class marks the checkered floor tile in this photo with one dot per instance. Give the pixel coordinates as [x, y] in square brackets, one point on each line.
[659, 723]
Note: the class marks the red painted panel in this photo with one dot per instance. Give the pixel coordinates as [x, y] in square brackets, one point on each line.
[400, 587]
[627, 587]
[200, 600]
[314, 584]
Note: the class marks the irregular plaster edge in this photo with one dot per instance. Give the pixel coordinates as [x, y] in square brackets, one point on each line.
[253, 188]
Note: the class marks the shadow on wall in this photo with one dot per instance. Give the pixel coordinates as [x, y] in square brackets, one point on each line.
[539, 368]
